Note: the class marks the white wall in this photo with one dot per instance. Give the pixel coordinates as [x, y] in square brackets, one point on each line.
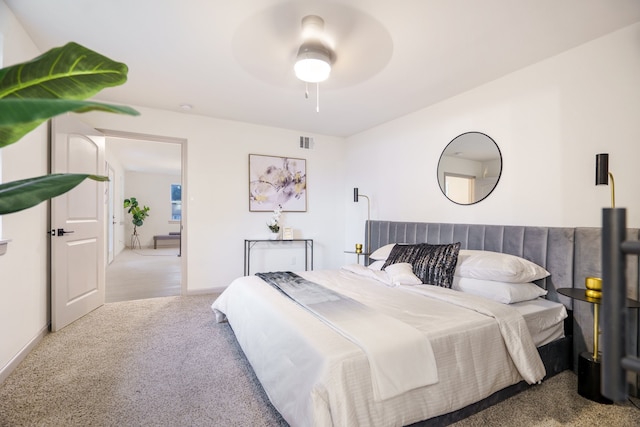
[23, 270]
[215, 192]
[549, 120]
[152, 190]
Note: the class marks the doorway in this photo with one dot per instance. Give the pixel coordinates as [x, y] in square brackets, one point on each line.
[147, 168]
[460, 188]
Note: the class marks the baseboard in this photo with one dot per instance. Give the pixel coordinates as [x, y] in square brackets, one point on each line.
[206, 291]
[13, 363]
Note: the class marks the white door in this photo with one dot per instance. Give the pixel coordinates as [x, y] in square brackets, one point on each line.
[77, 220]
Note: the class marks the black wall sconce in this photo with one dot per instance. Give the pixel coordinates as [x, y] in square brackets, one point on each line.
[356, 197]
[603, 175]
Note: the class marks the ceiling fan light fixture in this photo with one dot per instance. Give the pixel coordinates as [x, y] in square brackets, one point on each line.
[313, 63]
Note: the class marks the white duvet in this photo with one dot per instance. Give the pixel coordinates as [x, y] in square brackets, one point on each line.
[316, 377]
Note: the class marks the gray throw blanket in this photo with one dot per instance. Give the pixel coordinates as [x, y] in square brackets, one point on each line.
[300, 290]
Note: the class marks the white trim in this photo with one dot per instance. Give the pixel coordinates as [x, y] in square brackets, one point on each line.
[15, 361]
[3, 244]
[207, 291]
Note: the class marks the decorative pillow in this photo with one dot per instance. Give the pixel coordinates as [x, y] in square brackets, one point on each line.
[487, 265]
[376, 265]
[382, 253]
[402, 274]
[433, 264]
[506, 293]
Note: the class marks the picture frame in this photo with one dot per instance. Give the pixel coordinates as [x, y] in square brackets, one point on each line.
[276, 181]
[287, 233]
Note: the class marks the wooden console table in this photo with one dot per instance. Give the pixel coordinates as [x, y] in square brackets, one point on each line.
[250, 243]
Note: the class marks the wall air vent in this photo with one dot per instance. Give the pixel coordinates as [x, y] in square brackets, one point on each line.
[306, 142]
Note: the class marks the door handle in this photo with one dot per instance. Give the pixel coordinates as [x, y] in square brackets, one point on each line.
[62, 232]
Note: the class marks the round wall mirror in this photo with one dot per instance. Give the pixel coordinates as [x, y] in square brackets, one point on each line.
[469, 168]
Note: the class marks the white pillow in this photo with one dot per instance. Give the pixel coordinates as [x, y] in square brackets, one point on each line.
[506, 293]
[382, 253]
[487, 265]
[402, 274]
[376, 265]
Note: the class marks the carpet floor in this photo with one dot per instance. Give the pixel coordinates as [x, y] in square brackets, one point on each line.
[165, 362]
[143, 273]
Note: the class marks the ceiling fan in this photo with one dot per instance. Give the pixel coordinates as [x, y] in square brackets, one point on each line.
[348, 45]
[315, 57]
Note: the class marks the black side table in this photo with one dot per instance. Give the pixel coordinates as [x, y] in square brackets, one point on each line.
[589, 363]
[250, 243]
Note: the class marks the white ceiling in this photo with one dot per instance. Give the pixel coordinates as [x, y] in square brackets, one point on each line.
[146, 156]
[234, 59]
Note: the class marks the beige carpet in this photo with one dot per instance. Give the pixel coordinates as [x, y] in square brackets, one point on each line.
[555, 403]
[165, 362]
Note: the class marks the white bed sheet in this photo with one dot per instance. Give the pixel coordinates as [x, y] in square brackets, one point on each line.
[544, 318]
[314, 376]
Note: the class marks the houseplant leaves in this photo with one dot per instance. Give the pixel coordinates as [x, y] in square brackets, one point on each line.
[20, 116]
[34, 89]
[18, 195]
[32, 92]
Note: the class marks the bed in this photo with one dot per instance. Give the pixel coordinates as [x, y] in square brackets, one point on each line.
[321, 370]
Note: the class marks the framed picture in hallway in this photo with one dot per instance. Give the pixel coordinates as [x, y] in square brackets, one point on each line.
[277, 181]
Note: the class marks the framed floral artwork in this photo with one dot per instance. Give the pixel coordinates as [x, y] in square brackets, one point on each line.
[277, 182]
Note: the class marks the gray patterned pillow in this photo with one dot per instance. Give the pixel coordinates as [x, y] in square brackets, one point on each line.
[433, 264]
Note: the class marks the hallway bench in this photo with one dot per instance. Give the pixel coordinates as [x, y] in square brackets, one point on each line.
[171, 236]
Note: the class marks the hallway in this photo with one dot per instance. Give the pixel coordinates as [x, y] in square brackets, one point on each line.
[143, 273]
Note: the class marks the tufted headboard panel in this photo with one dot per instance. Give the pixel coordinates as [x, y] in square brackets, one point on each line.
[550, 247]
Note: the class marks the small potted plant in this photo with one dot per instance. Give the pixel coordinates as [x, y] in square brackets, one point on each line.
[138, 215]
[274, 223]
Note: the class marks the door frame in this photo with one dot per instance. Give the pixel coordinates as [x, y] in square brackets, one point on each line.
[110, 215]
[185, 189]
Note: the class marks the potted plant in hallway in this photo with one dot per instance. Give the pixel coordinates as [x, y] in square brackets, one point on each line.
[138, 215]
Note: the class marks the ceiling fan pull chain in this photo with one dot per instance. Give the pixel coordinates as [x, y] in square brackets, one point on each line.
[306, 90]
[317, 97]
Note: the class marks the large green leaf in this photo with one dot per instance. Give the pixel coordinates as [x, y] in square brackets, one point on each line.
[18, 195]
[20, 116]
[71, 72]
[51, 84]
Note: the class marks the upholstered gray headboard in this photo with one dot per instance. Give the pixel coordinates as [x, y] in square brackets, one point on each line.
[551, 248]
[569, 254]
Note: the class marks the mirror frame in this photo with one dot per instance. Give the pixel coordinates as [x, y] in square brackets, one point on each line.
[487, 138]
